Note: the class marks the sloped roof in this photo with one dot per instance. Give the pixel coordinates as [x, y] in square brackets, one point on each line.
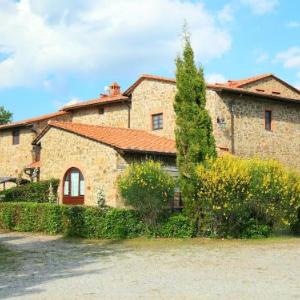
[230, 85]
[95, 102]
[33, 120]
[242, 82]
[243, 91]
[128, 140]
[150, 77]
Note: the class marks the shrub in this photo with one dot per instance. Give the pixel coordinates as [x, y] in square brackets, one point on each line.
[31, 217]
[32, 192]
[231, 191]
[147, 188]
[73, 221]
[252, 229]
[177, 226]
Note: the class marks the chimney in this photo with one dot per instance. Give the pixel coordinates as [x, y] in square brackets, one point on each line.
[114, 89]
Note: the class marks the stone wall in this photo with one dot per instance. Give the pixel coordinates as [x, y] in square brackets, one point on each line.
[248, 137]
[13, 158]
[152, 97]
[270, 85]
[113, 115]
[251, 139]
[98, 163]
[39, 126]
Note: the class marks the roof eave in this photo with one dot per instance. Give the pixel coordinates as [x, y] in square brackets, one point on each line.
[20, 125]
[254, 94]
[143, 77]
[108, 102]
[173, 154]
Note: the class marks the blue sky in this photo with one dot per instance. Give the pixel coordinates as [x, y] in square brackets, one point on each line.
[54, 52]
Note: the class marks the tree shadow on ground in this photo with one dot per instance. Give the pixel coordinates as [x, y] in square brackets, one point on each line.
[34, 260]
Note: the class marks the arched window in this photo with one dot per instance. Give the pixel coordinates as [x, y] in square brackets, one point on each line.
[73, 187]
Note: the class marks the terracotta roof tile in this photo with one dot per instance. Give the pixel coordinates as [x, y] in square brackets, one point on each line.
[102, 100]
[242, 82]
[121, 138]
[34, 120]
[256, 93]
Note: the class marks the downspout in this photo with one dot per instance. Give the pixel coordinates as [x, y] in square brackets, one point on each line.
[129, 115]
[232, 120]
[232, 116]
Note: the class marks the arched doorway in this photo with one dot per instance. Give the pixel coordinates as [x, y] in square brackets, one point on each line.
[73, 187]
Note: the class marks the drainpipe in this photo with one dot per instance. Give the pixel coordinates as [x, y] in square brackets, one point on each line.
[232, 112]
[129, 110]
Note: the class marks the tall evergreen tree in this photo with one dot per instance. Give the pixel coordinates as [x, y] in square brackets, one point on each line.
[5, 116]
[194, 137]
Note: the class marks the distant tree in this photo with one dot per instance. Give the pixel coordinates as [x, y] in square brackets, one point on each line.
[194, 133]
[5, 116]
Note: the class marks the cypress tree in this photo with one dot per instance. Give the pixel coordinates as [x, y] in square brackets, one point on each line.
[194, 135]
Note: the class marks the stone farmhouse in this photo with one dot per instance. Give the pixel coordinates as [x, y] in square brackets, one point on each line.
[87, 145]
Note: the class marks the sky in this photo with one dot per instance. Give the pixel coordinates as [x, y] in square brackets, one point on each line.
[54, 52]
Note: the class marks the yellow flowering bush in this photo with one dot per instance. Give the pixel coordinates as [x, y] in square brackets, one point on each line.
[243, 197]
[147, 188]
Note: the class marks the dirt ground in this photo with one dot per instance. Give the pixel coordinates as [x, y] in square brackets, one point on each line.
[45, 267]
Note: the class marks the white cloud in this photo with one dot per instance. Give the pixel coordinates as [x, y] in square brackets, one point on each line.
[59, 104]
[261, 56]
[215, 78]
[51, 38]
[261, 7]
[72, 102]
[290, 58]
[293, 24]
[226, 14]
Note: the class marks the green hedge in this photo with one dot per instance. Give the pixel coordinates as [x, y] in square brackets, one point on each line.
[87, 222]
[77, 221]
[35, 191]
[178, 226]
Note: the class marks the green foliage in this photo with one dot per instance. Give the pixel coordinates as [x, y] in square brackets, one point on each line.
[235, 197]
[147, 188]
[252, 229]
[72, 221]
[5, 116]
[31, 217]
[194, 133]
[177, 226]
[33, 192]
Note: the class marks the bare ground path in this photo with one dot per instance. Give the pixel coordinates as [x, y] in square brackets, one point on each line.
[44, 267]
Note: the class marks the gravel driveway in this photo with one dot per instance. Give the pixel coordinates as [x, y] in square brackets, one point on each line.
[43, 267]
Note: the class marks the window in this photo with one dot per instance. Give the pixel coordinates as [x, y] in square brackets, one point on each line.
[74, 183]
[268, 120]
[101, 110]
[157, 121]
[16, 136]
